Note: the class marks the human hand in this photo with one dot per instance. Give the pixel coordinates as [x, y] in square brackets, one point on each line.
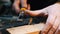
[51, 25]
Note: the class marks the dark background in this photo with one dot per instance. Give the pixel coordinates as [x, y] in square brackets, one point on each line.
[39, 4]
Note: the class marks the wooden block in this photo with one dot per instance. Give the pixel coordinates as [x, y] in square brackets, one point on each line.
[27, 29]
[37, 32]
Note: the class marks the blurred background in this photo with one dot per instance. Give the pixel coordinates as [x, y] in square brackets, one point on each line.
[6, 11]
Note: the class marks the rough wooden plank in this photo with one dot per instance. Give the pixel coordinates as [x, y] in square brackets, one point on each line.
[37, 32]
[27, 29]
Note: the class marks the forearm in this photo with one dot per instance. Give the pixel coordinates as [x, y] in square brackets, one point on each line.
[31, 13]
[35, 13]
[17, 7]
[16, 4]
[24, 3]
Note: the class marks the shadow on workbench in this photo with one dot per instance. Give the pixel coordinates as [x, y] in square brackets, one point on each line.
[4, 32]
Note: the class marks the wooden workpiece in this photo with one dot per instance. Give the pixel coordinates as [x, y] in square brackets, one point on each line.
[27, 29]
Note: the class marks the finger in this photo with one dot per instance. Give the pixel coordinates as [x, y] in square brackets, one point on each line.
[46, 29]
[52, 31]
[49, 23]
[55, 26]
[58, 30]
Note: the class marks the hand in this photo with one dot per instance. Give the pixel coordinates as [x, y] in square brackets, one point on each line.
[58, 30]
[51, 25]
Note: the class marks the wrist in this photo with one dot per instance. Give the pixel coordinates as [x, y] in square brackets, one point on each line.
[27, 11]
